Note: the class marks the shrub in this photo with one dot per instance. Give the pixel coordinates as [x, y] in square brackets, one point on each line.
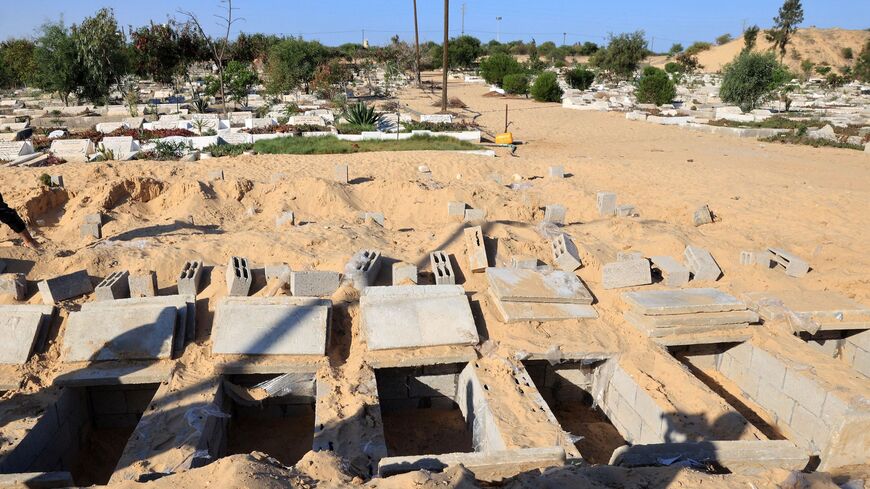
[494, 68]
[655, 87]
[546, 88]
[218, 150]
[360, 114]
[516, 83]
[579, 78]
[698, 47]
[862, 66]
[169, 150]
[751, 78]
[675, 68]
[847, 53]
[723, 39]
[622, 55]
[349, 128]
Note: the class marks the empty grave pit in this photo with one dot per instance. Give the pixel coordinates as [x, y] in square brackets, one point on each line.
[83, 433]
[279, 424]
[420, 412]
[566, 388]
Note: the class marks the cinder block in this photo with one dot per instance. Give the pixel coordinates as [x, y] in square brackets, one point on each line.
[375, 217]
[313, 283]
[628, 255]
[340, 174]
[189, 278]
[701, 263]
[215, 175]
[456, 210]
[433, 385]
[764, 259]
[524, 261]
[747, 258]
[96, 218]
[115, 286]
[774, 401]
[238, 276]
[91, 229]
[794, 265]
[364, 267]
[556, 172]
[624, 210]
[108, 401]
[13, 284]
[651, 414]
[606, 202]
[285, 218]
[804, 391]
[442, 269]
[404, 273]
[810, 428]
[475, 249]
[627, 273]
[65, 287]
[741, 353]
[674, 274]
[624, 384]
[631, 421]
[565, 254]
[702, 215]
[475, 215]
[771, 369]
[278, 270]
[143, 284]
[834, 410]
[555, 214]
[56, 180]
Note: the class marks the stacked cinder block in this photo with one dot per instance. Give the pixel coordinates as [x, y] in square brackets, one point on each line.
[820, 407]
[855, 351]
[636, 415]
[406, 387]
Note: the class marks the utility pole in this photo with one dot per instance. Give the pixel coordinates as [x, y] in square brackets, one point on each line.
[363, 37]
[417, 46]
[463, 18]
[498, 29]
[564, 38]
[444, 58]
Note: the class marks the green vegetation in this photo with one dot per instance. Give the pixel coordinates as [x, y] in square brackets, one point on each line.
[655, 87]
[17, 66]
[724, 39]
[622, 56]
[57, 67]
[438, 126]
[791, 14]
[752, 78]
[750, 37]
[546, 88]
[333, 145]
[292, 62]
[102, 53]
[494, 68]
[861, 71]
[516, 84]
[218, 150]
[698, 47]
[348, 128]
[847, 53]
[238, 81]
[579, 78]
[169, 150]
[775, 122]
[676, 48]
[798, 138]
[675, 68]
[361, 115]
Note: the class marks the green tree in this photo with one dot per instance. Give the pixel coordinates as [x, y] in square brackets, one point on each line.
[546, 88]
[463, 51]
[251, 47]
[102, 52]
[587, 49]
[791, 14]
[861, 71]
[16, 57]
[676, 48]
[239, 79]
[156, 52]
[494, 68]
[807, 68]
[750, 36]
[579, 78]
[516, 83]
[292, 63]
[535, 64]
[723, 39]
[847, 53]
[655, 87]
[623, 54]
[58, 69]
[751, 79]
[331, 78]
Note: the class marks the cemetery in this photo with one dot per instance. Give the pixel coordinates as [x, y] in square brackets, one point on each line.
[358, 277]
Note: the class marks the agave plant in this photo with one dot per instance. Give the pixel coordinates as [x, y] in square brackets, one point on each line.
[200, 105]
[360, 114]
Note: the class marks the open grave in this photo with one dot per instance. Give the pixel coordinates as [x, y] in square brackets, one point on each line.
[82, 433]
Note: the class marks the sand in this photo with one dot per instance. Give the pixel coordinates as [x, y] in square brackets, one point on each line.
[160, 214]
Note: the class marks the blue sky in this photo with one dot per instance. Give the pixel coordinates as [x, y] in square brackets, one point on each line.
[337, 21]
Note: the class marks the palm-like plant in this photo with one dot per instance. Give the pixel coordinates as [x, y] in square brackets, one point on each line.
[360, 114]
[200, 105]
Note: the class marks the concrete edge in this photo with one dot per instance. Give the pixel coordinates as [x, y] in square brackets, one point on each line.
[767, 453]
[486, 466]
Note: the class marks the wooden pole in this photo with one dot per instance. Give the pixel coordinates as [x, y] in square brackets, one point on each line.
[444, 57]
[417, 45]
[505, 117]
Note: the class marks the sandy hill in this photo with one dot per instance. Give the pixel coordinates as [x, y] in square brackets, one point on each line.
[816, 45]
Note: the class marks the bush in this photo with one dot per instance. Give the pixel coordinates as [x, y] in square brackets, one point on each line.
[862, 66]
[516, 84]
[698, 47]
[622, 55]
[494, 68]
[724, 39]
[579, 78]
[170, 150]
[360, 114]
[655, 87]
[675, 68]
[847, 53]
[218, 150]
[349, 128]
[546, 88]
[752, 78]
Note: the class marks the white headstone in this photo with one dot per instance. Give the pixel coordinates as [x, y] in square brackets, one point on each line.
[12, 150]
[300, 120]
[437, 118]
[107, 127]
[119, 145]
[72, 149]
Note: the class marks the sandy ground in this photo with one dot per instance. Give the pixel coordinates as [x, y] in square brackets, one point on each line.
[810, 201]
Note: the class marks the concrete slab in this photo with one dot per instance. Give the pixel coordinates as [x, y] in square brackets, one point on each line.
[700, 319]
[36, 480]
[184, 304]
[21, 328]
[124, 333]
[689, 301]
[706, 337]
[526, 285]
[730, 454]
[271, 326]
[486, 466]
[116, 373]
[642, 323]
[413, 317]
[830, 309]
[514, 312]
[626, 273]
[65, 287]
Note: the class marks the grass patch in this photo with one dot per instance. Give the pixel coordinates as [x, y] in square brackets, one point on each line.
[348, 128]
[218, 150]
[332, 145]
[792, 138]
[775, 122]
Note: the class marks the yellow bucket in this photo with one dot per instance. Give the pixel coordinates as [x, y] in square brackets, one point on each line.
[505, 138]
